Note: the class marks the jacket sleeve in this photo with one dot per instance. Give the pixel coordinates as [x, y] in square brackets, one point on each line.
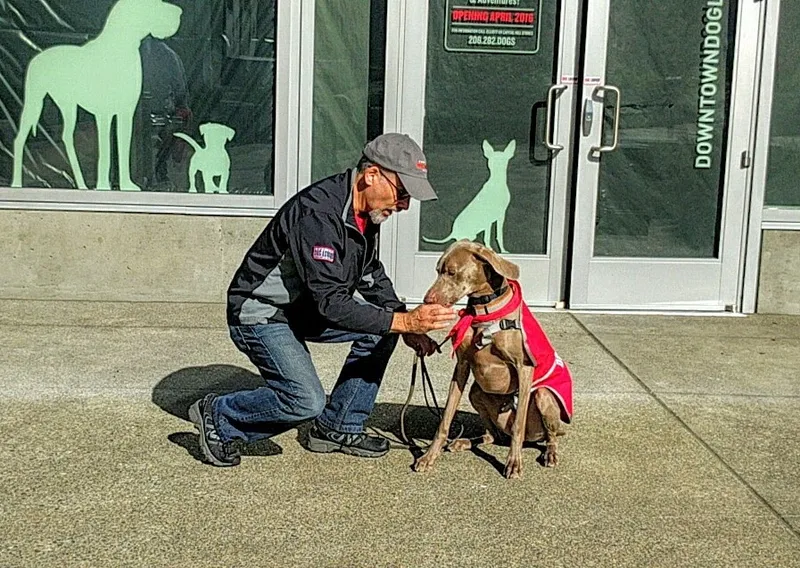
[377, 288]
[325, 279]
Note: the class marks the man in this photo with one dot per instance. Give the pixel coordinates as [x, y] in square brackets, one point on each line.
[296, 284]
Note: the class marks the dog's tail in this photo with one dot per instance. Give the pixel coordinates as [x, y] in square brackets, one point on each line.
[189, 139]
[441, 242]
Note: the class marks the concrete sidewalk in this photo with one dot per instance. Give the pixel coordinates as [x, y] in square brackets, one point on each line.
[684, 452]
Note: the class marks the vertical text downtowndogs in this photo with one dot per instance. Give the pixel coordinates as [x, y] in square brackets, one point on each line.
[500, 342]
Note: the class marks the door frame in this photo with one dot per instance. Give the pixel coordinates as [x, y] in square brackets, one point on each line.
[404, 103]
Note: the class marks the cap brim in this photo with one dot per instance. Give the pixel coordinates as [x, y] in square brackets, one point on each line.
[418, 187]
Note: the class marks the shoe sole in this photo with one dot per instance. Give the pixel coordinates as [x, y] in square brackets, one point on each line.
[327, 447]
[197, 418]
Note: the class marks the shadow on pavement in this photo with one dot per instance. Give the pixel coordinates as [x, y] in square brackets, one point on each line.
[177, 391]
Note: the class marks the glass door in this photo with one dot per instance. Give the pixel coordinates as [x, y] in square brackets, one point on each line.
[488, 90]
[662, 154]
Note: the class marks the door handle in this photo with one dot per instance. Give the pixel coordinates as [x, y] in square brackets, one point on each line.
[554, 90]
[615, 142]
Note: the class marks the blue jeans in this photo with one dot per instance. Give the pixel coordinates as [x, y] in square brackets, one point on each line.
[293, 393]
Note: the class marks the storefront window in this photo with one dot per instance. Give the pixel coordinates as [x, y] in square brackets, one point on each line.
[660, 192]
[784, 144]
[349, 55]
[138, 95]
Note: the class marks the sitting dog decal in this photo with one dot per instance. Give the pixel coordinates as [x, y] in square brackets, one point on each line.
[212, 161]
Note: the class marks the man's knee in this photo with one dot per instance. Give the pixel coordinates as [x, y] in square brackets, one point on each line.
[309, 404]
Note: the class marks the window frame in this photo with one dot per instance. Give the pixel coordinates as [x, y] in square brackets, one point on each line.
[288, 76]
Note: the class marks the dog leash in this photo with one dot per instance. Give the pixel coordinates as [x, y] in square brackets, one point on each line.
[427, 384]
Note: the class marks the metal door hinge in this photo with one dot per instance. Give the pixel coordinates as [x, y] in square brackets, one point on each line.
[746, 161]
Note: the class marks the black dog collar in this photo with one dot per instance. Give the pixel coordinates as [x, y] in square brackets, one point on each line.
[482, 300]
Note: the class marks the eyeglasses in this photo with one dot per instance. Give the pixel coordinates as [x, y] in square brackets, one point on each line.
[400, 193]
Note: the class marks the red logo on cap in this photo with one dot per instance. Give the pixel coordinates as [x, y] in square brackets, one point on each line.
[422, 166]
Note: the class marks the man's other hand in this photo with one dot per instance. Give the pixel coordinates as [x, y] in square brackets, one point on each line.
[421, 343]
[422, 319]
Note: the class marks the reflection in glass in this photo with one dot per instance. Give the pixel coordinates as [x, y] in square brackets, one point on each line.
[483, 141]
[660, 192]
[784, 141]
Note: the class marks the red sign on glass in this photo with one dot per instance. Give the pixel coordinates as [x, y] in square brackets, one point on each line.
[492, 26]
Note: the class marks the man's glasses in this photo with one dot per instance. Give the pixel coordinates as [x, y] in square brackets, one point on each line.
[400, 193]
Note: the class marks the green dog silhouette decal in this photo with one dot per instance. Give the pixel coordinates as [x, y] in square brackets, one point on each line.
[489, 205]
[104, 77]
[213, 160]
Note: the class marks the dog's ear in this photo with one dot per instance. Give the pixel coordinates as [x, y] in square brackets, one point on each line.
[448, 250]
[500, 265]
[487, 149]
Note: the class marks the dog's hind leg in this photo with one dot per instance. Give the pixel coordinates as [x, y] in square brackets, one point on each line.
[104, 151]
[70, 113]
[35, 93]
[551, 419]
[29, 118]
[209, 186]
[489, 407]
[192, 177]
[223, 181]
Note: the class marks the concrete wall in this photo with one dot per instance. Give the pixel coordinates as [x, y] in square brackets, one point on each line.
[779, 281]
[121, 257]
[175, 258]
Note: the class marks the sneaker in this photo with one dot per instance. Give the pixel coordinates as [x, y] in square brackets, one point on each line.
[216, 451]
[324, 440]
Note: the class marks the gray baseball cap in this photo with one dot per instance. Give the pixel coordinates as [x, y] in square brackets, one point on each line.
[400, 154]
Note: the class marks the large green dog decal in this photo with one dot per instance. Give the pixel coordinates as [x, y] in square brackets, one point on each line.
[104, 77]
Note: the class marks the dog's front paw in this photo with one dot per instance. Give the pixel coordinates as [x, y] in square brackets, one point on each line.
[514, 467]
[425, 463]
[550, 456]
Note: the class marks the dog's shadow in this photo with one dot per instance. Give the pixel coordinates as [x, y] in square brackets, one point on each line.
[177, 391]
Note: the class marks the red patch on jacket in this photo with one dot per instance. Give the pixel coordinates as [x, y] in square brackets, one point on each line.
[323, 253]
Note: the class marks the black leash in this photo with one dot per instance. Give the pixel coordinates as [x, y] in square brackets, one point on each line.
[427, 384]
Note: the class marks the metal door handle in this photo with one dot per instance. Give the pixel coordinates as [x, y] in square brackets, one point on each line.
[555, 89]
[615, 142]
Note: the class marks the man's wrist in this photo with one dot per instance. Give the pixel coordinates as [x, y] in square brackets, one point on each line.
[399, 322]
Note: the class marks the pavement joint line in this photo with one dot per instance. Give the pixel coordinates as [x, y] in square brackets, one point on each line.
[733, 395]
[650, 392]
[111, 302]
[673, 335]
[113, 326]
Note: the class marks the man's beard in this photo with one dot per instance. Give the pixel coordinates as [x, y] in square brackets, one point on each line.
[377, 217]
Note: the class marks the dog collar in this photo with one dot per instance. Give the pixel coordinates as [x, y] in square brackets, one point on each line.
[480, 300]
[468, 317]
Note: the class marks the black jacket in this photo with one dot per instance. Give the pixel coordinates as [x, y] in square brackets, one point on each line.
[309, 261]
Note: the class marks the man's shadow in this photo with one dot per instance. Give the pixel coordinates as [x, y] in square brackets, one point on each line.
[177, 391]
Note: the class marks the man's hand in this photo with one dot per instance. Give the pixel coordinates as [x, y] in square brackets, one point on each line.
[422, 319]
[421, 343]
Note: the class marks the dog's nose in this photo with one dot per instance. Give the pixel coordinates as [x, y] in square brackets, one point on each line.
[430, 298]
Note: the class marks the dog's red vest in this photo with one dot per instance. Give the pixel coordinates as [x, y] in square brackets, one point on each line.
[550, 371]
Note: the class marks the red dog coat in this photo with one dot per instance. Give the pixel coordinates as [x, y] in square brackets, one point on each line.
[550, 371]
